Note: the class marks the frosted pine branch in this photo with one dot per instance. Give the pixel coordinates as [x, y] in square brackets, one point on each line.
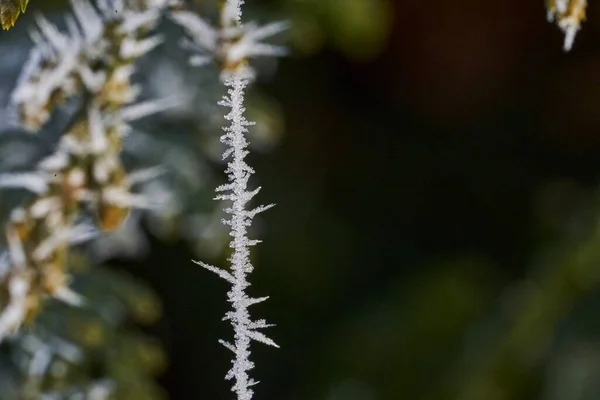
[92, 60]
[238, 172]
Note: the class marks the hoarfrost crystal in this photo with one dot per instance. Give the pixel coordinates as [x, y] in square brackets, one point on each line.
[232, 46]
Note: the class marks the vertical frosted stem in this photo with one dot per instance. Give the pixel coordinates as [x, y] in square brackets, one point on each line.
[236, 191]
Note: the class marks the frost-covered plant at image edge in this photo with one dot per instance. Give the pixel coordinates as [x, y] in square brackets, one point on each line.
[568, 15]
[82, 191]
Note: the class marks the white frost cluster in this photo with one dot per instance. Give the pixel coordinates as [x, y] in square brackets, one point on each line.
[230, 44]
[64, 63]
[93, 59]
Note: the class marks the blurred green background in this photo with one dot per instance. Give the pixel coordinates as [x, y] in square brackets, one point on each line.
[436, 234]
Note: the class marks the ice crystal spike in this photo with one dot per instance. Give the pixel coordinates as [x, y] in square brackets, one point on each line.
[236, 191]
[232, 45]
[10, 11]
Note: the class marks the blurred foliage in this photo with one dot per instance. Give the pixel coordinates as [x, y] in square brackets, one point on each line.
[562, 275]
[358, 28]
[454, 329]
[87, 351]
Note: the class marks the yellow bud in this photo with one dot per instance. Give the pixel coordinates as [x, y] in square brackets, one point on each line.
[10, 11]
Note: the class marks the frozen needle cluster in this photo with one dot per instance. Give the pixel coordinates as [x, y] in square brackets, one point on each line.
[231, 44]
[93, 62]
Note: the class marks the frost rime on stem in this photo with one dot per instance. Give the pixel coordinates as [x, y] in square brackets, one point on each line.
[237, 192]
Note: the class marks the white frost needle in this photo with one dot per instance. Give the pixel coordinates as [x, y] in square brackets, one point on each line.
[236, 191]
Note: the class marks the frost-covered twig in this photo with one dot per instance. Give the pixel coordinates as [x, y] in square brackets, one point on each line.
[231, 45]
[236, 191]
